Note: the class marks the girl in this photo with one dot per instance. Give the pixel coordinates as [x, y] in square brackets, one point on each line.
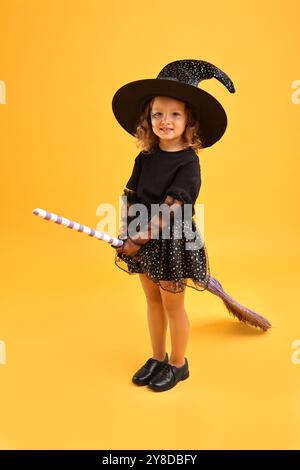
[172, 120]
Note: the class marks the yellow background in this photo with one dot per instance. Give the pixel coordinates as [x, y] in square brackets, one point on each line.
[74, 324]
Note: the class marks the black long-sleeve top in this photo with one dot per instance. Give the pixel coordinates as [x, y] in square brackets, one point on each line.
[162, 173]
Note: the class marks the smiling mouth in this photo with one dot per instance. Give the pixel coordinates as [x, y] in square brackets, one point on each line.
[165, 129]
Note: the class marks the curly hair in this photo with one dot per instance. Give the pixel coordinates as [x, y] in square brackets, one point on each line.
[147, 140]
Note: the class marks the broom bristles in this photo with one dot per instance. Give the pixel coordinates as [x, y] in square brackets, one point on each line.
[243, 314]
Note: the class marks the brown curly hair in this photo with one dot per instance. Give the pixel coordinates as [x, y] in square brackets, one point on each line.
[147, 140]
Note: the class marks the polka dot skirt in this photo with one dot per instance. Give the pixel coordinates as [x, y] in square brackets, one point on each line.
[174, 262]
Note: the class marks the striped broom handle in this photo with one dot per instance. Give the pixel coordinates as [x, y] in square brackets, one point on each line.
[58, 219]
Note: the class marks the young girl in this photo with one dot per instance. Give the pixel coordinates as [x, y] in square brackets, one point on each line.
[172, 119]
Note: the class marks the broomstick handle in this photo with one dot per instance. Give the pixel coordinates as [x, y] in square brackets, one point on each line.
[113, 241]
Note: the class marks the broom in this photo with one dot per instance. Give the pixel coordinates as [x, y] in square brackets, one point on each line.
[242, 313]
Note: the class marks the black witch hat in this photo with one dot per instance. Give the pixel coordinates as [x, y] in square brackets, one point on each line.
[179, 80]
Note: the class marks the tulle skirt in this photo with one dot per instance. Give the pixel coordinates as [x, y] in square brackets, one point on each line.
[175, 261]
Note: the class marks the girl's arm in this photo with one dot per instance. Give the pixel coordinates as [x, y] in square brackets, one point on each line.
[125, 217]
[129, 248]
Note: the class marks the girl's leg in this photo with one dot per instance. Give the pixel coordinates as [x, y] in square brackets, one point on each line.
[157, 319]
[179, 325]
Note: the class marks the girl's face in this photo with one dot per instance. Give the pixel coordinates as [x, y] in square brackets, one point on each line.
[168, 119]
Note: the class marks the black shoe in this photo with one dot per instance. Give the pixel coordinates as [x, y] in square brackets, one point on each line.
[148, 370]
[169, 376]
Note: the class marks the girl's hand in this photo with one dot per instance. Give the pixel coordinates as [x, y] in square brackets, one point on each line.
[129, 248]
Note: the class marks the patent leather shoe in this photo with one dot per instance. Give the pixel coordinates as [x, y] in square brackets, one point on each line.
[148, 370]
[168, 376]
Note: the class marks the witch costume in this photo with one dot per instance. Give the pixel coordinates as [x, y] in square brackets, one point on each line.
[176, 256]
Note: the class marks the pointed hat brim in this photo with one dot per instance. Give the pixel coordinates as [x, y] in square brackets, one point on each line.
[128, 102]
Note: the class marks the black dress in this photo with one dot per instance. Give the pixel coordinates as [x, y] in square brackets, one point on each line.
[179, 260]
